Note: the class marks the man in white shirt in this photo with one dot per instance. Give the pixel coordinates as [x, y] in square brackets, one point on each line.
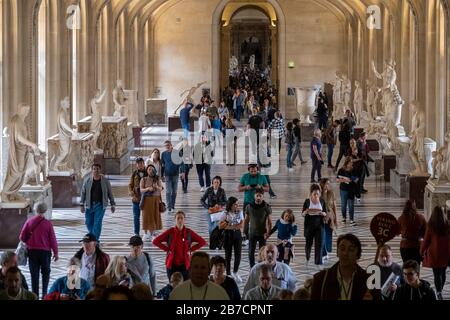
[283, 275]
[199, 287]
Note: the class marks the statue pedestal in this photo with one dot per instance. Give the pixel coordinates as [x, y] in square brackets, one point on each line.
[388, 164]
[398, 183]
[137, 133]
[12, 218]
[175, 123]
[436, 194]
[81, 157]
[416, 189]
[307, 131]
[64, 188]
[155, 111]
[115, 140]
[39, 194]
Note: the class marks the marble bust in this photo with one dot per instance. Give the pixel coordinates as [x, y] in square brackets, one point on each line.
[416, 148]
[20, 151]
[96, 124]
[119, 100]
[65, 135]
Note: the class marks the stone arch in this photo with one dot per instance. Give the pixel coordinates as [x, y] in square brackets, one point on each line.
[216, 26]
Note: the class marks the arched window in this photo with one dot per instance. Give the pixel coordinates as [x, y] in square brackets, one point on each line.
[42, 103]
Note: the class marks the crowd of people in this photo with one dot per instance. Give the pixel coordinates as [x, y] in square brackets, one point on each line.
[234, 223]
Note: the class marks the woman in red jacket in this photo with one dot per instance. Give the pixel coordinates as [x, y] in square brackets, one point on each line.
[412, 227]
[177, 242]
[436, 247]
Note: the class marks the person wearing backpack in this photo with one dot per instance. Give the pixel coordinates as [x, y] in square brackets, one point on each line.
[257, 224]
[178, 243]
[140, 264]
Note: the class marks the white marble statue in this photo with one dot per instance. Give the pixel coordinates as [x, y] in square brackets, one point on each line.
[391, 100]
[234, 64]
[416, 148]
[358, 102]
[65, 135]
[372, 98]
[37, 165]
[337, 89]
[441, 161]
[20, 150]
[96, 121]
[346, 90]
[190, 92]
[251, 62]
[120, 109]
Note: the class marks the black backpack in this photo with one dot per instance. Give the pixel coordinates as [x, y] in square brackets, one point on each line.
[216, 239]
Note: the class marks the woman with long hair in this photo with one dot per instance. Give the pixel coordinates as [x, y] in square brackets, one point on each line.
[151, 187]
[436, 248]
[330, 220]
[117, 273]
[412, 229]
[232, 221]
[155, 160]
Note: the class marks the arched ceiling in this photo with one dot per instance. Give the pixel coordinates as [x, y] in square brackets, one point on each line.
[233, 7]
[344, 9]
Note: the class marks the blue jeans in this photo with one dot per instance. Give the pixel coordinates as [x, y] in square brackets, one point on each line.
[350, 200]
[171, 191]
[204, 168]
[330, 153]
[297, 152]
[252, 247]
[136, 217]
[94, 219]
[327, 240]
[316, 167]
[238, 113]
[39, 261]
[186, 129]
[289, 155]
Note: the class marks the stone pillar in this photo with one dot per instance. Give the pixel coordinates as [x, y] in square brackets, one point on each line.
[225, 56]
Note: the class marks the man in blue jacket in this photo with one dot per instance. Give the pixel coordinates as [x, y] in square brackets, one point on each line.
[185, 117]
[170, 172]
[95, 192]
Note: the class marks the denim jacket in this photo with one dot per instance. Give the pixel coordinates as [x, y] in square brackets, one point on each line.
[106, 191]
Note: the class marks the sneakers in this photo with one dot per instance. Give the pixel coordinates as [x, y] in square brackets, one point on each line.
[273, 196]
[439, 296]
[245, 243]
[202, 189]
[291, 170]
[352, 223]
[147, 237]
[344, 221]
[237, 277]
[326, 258]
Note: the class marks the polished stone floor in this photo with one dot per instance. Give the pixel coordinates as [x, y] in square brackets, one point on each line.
[291, 188]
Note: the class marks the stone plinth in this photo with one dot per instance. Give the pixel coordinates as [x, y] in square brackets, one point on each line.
[64, 188]
[388, 164]
[155, 111]
[436, 194]
[12, 218]
[113, 139]
[175, 123]
[398, 183]
[81, 157]
[307, 131]
[416, 189]
[39, 194]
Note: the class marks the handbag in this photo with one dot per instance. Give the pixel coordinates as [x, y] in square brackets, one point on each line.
[22, 250]
[22, 254]
[162, 207]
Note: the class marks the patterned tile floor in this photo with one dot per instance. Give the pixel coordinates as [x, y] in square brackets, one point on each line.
[291, 188]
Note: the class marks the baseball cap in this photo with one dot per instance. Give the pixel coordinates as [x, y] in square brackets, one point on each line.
[136, 241]
[89, 238]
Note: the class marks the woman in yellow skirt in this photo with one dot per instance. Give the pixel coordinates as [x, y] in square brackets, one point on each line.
[151, 187]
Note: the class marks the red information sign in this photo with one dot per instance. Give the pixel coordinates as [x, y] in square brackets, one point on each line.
[384, 227]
